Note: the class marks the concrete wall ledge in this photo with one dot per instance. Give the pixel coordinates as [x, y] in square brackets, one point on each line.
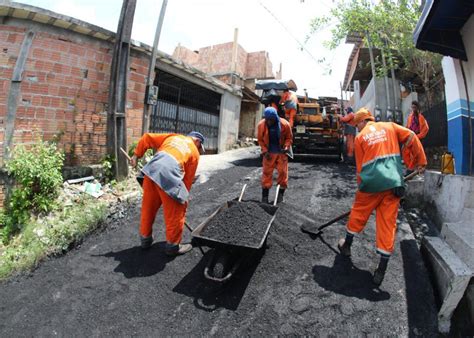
[451, 276]
[460, 237]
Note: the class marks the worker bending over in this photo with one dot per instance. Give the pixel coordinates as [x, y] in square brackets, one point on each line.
[275, 139]
[168, 180]
[289, 100]
[380, 182]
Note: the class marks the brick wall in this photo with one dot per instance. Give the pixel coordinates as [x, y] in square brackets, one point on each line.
[64, 92]
[186, 55]
[217, 59]
[259, 65]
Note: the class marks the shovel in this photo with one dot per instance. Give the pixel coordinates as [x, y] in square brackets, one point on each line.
[308, 227]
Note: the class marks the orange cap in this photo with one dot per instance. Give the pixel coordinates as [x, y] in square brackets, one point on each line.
[362, 115]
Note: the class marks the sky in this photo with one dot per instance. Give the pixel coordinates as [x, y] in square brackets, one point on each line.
[276, 26]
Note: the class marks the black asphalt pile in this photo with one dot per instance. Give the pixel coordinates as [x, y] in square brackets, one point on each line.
[242, 223]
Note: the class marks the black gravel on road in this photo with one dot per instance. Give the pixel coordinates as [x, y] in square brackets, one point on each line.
[243, 223]
[296, 286]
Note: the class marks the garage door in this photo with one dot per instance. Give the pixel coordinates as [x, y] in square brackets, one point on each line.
[183, 106]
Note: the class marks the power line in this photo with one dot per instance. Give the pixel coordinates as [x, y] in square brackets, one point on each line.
[302, 46]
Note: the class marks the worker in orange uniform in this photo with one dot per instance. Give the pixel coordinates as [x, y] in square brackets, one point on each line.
[290, 103]
[417, 123]
[380, 182]
[349, 133]
[275, 139]
[168, 179]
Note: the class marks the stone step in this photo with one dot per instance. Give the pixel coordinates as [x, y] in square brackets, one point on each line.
[460, 237]
[451, 276]
[468, 215]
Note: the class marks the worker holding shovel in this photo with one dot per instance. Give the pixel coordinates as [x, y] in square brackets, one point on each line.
[275, 139]
[380, 182]
[168, 179]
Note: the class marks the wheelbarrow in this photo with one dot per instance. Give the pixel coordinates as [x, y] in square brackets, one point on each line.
[226, 258]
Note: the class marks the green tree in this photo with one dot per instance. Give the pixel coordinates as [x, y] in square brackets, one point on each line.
[389, 24]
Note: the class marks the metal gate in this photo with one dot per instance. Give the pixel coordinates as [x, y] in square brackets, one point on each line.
[183, 106]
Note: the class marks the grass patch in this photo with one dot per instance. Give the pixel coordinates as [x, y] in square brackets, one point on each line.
[51, 235]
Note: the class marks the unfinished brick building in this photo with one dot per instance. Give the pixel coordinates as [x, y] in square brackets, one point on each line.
[230, 63]
[54, 82]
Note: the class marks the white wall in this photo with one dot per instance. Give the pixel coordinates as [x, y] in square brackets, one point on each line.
[406, 105]
[228, 121]
[467, 33]
[368, 99]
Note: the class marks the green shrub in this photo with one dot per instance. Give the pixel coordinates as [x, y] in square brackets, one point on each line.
[108, 164]
[37, 173]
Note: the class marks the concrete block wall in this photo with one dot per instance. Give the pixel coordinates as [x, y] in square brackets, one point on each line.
[64, 91]
[449, 199]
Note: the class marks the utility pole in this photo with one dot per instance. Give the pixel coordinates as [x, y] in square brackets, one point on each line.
[377, 113]
[151, 91]
[116, 122]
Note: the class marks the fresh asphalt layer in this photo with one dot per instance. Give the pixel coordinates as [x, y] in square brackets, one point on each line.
[297, 285]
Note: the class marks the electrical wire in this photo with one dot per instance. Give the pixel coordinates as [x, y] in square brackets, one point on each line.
[301, 45]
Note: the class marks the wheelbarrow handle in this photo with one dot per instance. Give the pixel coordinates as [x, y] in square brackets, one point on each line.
[242, 192]
[191, 230]
[276, 195]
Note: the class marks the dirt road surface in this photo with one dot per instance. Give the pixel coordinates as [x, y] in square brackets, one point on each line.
[298, 285]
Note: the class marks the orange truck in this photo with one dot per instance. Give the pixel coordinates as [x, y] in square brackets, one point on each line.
[317, 131]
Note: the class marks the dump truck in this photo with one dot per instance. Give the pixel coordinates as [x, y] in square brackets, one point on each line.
[316, 130]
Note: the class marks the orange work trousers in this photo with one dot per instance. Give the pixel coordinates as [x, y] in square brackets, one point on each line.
[290, 116]
[385, 204]
[350, 145]
[280, 162]
[173, 212]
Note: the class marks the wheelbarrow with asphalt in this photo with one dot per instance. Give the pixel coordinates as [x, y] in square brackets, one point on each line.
[227, 257]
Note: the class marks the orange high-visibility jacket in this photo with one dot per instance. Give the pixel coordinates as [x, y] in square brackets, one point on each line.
[423, 125]
[174, 165]
[378, 157]
[286, 136]
[289, 99]
[349, 126]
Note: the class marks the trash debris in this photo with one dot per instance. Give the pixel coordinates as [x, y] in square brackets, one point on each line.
[80, 180]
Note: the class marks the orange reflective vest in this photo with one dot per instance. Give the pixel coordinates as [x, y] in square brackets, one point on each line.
[174, 165]
[378, 156]
[289, 99]
[286, 136]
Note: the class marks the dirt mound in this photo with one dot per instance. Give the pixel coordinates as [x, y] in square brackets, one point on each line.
[242, 223]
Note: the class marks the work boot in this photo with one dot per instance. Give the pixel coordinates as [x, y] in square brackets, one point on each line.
[344, 247]
[280, 195]
[379, 273]
[145, 242]
[265, 195]
[177, 249]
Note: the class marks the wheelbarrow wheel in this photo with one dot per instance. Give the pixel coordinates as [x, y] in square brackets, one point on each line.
[220, 266]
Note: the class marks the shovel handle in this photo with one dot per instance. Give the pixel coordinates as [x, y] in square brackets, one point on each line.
[125, 153]
[344, 215]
